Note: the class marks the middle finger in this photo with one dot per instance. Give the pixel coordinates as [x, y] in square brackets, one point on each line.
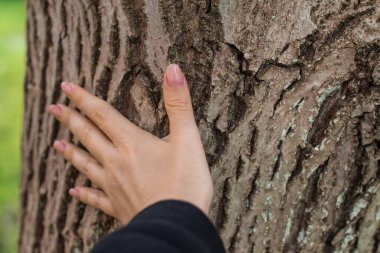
[89, 135]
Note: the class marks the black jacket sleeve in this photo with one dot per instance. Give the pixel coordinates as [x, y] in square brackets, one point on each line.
[169, 226]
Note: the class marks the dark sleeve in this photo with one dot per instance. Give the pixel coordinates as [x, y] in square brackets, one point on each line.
[169, 226]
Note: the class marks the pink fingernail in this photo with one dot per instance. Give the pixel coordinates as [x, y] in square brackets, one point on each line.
[59, 145]
[74, 192]
[56, 110]
[67, 87]
[174, 75]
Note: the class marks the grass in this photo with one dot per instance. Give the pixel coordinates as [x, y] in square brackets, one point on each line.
[12, 65]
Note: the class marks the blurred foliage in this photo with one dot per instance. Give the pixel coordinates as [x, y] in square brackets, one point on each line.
[12, 65]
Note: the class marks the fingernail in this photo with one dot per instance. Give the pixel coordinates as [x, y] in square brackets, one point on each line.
[66, 87]
[174, 75]
[59, 145]
[74, 192]
[56, 110]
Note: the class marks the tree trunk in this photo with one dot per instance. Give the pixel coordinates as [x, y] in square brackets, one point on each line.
[286, 95]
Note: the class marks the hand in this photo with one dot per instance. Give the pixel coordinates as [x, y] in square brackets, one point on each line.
[130, 167]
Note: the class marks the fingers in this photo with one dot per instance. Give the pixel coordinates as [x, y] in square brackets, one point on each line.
[94, 198]
[90, 136]
[82, 161]
[177, 100]
[104, 116]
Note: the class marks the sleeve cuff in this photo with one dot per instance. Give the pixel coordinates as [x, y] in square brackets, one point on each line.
[186, 216]
[173, 224]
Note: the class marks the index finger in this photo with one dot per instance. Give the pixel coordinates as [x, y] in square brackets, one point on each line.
[101, 113]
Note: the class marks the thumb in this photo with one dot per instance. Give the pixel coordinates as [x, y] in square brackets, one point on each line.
[177, 100]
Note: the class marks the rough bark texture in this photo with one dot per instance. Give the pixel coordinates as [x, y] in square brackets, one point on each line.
[286, 95]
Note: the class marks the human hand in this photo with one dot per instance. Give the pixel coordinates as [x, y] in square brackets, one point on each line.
[132, 168]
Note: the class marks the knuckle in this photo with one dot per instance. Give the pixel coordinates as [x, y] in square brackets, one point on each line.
[65, 117]
[109, 159]
[88, 164]
[178, 104]
[101, 114]
[86, 133]
[123, 143]
[69, 152]
[69, 118]
[78, 97]
[87, 197]
[97, 199]
[115, 173]
[83, 195]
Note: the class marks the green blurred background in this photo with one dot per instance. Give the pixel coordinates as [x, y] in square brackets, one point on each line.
[12, 65]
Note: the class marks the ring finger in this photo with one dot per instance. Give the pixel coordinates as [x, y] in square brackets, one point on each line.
[82, 161]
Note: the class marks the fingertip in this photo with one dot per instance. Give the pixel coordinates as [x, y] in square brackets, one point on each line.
[60, 145]
[56, 110]
[74, 192]
[67, 87]
[174, 76]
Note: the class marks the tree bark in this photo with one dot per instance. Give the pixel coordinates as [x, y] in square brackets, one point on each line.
[286, 95]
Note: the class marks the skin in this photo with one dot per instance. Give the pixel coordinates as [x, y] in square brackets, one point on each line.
[130, 168]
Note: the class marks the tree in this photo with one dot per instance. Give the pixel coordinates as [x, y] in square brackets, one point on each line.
[286, 96]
